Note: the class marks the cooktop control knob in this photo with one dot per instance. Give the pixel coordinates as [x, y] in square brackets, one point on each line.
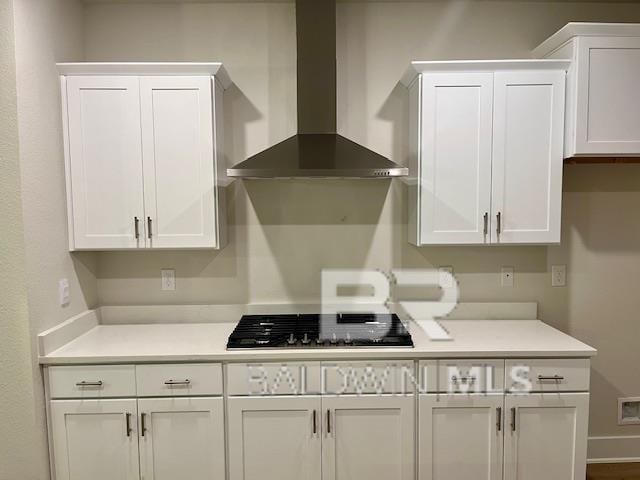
[334, 339]
[348, 339]
[291, 340]
[305, 339]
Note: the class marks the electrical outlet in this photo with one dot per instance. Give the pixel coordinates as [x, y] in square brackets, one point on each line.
[168, 279]
[63, 291]
[507, 276]
[445, 277]
[558, 275]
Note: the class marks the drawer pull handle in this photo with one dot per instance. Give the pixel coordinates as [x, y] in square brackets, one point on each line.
[328, 421]
[177, 382]
[85, 383]
[470, 379]
[499, 418]
[550, 378]
[513, 419]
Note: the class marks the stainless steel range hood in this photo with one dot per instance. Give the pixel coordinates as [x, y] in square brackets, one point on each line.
[317, 151]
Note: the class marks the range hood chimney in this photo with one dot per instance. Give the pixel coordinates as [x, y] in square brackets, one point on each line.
[316, 150]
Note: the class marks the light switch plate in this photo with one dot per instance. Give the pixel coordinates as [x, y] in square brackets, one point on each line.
[168, 279]
[507, 276]
[63, 291]
[558, 275]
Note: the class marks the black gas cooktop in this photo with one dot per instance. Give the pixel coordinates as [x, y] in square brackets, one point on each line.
[319, 331]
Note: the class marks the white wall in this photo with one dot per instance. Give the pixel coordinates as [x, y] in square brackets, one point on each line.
[46, 31]
[18, 458]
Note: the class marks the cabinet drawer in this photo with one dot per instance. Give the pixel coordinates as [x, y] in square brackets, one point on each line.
[273, 378]
[548, 375]
[92, 381]
[478, 375]
[179, 380]
[377, 377]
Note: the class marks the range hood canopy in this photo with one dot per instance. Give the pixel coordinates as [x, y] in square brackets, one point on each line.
[316, 150]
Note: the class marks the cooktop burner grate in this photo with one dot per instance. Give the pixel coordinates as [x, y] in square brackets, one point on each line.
[319, 331]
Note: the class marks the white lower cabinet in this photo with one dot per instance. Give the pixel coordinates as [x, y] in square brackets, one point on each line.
[181, 438]
[95, 439]
[274, 438]
[368, 437]
[328, 438]
[546, 436]
[460, 436]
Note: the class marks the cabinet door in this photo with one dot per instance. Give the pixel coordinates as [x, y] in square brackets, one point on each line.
[274, 438]
[181, 438]
[368, 437]
[455, 158]
[460, 437]
[546, 436]
[528, 132]
[177, 141]
[95, 439]
[104, 162]
[608, 103]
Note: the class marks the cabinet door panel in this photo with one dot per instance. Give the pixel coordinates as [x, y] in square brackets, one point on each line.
[105, 161]
[549, 438]
[272, 438]
[608, 107]
[455, 171]
[460, 437]
[527, 156]
[368, 437]
[90, 439]
[183, 438]
[177, 136]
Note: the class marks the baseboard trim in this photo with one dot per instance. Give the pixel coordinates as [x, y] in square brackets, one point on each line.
[613, 449]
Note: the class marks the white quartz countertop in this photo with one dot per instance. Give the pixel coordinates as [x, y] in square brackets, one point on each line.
[201, 342]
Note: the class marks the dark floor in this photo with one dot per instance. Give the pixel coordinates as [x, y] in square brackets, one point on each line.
[613, 471]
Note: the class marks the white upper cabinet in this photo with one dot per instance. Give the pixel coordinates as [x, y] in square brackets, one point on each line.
[144, 155]
[455, 171]
[526, 171]
[486, 151]
[603, 100]
[104, 161]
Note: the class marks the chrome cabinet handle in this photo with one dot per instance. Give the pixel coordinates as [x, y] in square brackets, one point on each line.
[486, 223]
[149, 227]
[127, 418]
[315, 424]
[136, 222]
[85, 383]
[513, 419]
[499, 223]
[328, 421]
[469, 379]
[143, 423]
[499, 418]
[552, 378]
[177, 382]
